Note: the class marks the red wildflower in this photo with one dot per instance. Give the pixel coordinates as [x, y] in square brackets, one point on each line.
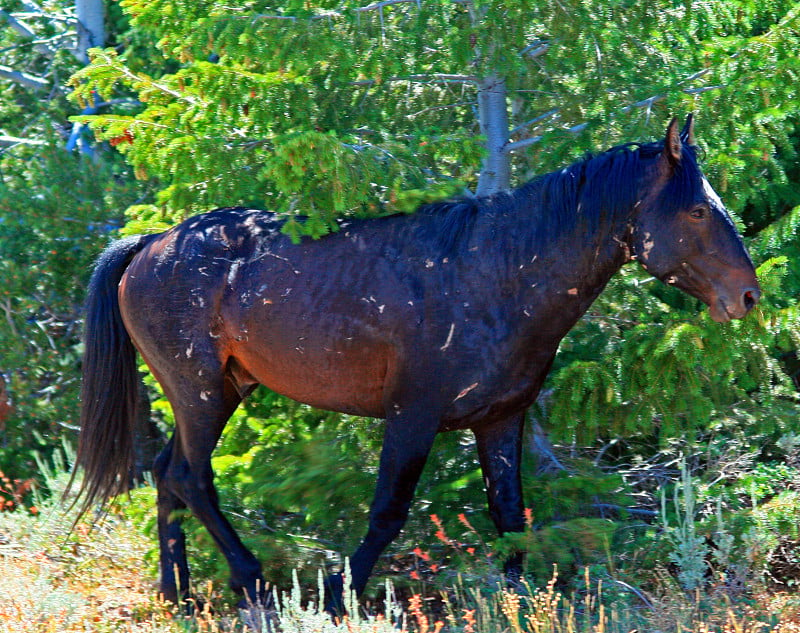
[463, 518]
[423, 555]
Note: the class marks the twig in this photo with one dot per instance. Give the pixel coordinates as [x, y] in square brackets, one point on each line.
[537, 49]
[541, 117]
[25, 31]
[436, 77]
[6, 307]
[441, 107]
[518, 145]
[636, 592]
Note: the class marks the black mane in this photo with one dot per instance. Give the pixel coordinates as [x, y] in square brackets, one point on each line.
[591, 190]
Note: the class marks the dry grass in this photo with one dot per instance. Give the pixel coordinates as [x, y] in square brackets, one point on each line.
[91, 580]
[94, 580]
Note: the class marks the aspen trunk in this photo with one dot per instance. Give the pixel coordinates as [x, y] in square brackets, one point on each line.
[493, 118]
[91, 26]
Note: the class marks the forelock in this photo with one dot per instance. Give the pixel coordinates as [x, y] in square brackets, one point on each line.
[715, 201]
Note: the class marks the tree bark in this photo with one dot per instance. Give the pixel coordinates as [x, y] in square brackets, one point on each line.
[91, 27]
[493, 118]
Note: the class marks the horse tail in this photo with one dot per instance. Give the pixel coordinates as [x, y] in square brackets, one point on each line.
[110, 384]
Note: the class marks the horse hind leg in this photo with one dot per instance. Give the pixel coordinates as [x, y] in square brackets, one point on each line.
[185, 480]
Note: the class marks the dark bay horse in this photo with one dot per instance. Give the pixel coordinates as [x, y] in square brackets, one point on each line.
[445, 319]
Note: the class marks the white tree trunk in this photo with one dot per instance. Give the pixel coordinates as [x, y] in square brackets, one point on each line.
[493, 118]
[91, 27]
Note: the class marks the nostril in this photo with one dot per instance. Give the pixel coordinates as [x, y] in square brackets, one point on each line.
[751, 297]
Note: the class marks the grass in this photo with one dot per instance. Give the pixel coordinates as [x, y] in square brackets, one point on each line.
[89, 581]
[93, 579]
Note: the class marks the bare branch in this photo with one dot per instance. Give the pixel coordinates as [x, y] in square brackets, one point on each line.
[20, 27]
[13, 140]
[292, 18]
[262, 16]
[50, 17]
[536, 49]
[644, 103]
[697, 91]
[25, 31]
[386, 3]
[9, 313]
[460, 104]
[32, 6]
[24, 79]
[700, 73]
[541, 117]
[518, 145]
[436, 77]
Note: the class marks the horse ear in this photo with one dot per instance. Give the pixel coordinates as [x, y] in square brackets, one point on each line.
[673, 143]
[687, 133]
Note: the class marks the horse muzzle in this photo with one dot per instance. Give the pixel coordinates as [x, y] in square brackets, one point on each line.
[726, 308]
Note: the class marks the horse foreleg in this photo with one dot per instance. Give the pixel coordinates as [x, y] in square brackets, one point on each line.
[406, 444]
[500, 454]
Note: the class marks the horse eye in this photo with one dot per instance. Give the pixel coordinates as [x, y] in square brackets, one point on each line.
[698, 213]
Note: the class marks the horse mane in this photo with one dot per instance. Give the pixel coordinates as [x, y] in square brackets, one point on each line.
[457, 218]
[591, 190]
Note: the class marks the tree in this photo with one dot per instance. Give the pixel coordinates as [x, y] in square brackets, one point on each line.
[57, 209]
[399, 84]
[326, 109]
[320, 110]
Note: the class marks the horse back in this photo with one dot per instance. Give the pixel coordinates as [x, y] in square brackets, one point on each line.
[323, 321]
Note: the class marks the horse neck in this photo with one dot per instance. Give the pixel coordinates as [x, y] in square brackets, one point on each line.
[574, 255]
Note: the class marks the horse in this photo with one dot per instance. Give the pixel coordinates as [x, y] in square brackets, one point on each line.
[447, 318]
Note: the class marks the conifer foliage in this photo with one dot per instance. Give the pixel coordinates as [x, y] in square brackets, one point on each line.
[319, 110]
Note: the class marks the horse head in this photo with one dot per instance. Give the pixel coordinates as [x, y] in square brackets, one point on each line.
[682, 234]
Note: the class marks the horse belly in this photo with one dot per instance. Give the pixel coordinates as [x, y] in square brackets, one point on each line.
[344, 380]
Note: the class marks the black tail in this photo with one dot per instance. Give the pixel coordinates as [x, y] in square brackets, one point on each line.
[110, 383]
